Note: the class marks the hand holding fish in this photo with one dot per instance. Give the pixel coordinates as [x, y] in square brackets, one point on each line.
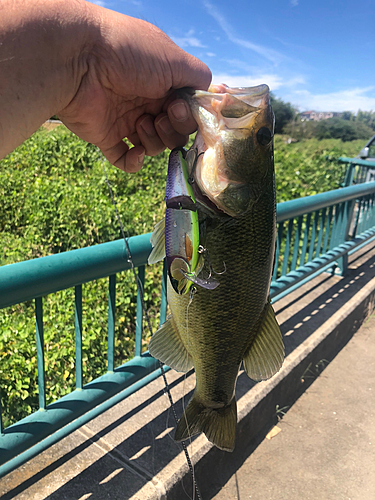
[107, 76]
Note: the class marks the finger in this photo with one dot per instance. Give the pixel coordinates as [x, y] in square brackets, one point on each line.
[181, 117]
[128, 160]
[170, 137]
[134, 139]
[115, 153]
[148, 135]
[191, 72]
[134, 159]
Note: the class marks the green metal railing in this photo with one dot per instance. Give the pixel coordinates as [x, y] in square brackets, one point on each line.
[358, 170]
[317, 233]
[314, 234]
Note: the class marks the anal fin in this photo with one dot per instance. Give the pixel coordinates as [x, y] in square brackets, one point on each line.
[166, 346]
[266, 354]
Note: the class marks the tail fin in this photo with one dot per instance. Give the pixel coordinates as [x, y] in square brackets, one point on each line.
[218, 424]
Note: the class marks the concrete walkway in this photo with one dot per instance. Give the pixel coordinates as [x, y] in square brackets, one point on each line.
[325, 448]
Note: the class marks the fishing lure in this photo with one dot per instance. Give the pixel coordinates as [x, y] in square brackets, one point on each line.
[177, 236]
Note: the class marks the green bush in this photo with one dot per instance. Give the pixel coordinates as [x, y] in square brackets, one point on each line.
[302, 169]
[337, 128]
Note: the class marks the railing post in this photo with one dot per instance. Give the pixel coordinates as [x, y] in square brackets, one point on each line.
[1, 418]
[40, 352]
[111, 323]
[347, 216]
[139, 320]
[163, 305]
[78, 334]
[349, 175]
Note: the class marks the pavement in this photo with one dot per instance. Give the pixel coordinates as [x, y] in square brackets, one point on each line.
[321, 400]
[324, 445]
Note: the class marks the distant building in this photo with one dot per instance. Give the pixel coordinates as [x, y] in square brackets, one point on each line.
[317, 115]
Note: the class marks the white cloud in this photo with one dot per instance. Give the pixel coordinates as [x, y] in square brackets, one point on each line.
[294, 3]
[210, 54]
[101, 3]
[270, 54]
[344, 100]
[104, 3]
[273, 81]
[250, 79]
[187, 41]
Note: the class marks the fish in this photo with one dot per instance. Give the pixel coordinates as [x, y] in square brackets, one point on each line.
[216, 329]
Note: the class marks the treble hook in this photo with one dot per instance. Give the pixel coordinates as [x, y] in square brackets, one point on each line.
[191, 176]
[204, 251]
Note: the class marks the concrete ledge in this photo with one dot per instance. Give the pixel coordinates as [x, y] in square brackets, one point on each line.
[128, 452]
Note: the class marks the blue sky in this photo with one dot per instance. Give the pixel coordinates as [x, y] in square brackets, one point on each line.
[316, 54]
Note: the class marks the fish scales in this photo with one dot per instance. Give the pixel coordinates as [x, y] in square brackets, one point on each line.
[216, 316]
[214, 330]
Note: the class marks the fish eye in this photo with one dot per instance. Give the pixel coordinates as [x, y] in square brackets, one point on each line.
[264, 136]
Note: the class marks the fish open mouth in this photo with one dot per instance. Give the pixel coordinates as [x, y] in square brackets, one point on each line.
[193, 158]
[230, 121]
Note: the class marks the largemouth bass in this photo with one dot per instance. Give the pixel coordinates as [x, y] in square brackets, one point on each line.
[231, 173]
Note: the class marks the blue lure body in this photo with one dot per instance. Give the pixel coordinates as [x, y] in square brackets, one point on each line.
[182, 249]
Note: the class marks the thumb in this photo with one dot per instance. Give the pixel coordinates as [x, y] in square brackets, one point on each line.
[189, 71]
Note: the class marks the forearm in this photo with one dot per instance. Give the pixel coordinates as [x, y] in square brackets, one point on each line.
[43, 49]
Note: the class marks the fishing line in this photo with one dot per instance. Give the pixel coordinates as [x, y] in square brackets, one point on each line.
[140, 294]
[191, 296]
[176, 444]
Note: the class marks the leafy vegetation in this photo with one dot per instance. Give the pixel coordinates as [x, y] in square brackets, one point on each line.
[54, 198]
[332, 128]
[302, 168]
[347, 127]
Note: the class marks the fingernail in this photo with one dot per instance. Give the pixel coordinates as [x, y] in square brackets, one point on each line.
[140, 158]
[179, 111]
[165, 125]
[148, 126]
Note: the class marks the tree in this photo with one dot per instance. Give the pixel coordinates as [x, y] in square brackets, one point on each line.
[348, 115]
[337, 128]
[366, 117]
[298, 129]
[284, 113]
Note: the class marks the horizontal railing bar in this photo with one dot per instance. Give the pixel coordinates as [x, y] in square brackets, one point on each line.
[323, 261]
[367, 241]
[295, 285]
[37, 426]
[357, 161]
[38, 277]
[59, 434]
[300, 206]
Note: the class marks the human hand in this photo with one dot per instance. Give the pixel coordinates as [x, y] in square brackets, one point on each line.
[127, 90]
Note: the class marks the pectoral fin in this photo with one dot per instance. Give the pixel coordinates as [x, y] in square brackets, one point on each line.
[158, 242]
[166, 345]
[266, 354]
